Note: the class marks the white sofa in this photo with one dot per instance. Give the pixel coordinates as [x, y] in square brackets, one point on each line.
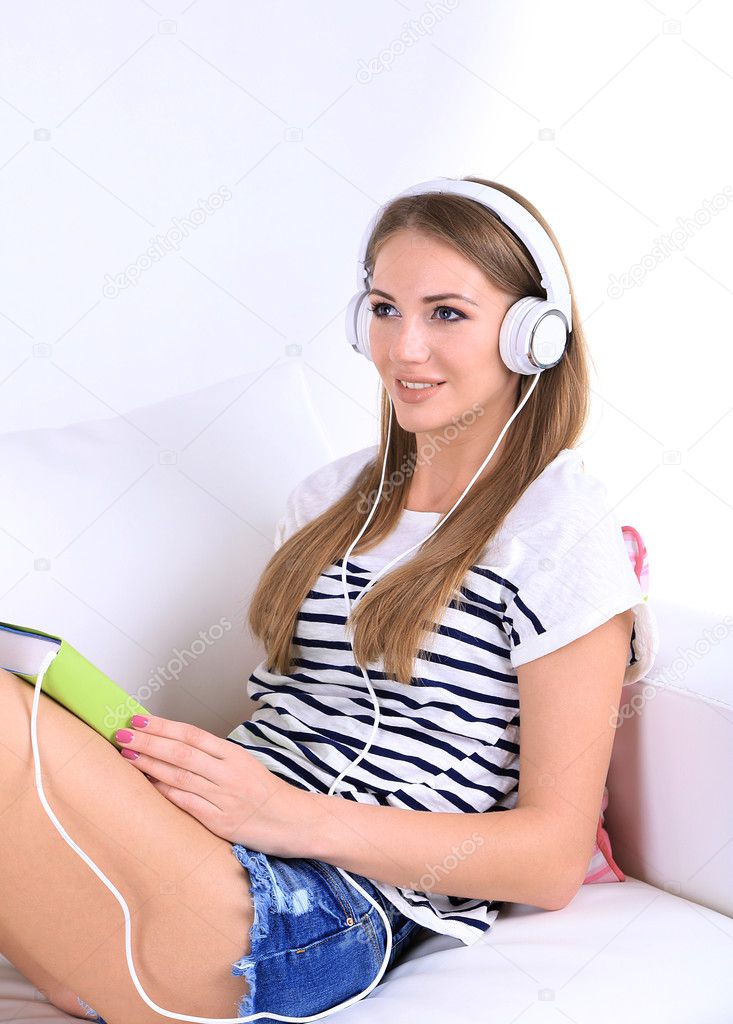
[178, 502]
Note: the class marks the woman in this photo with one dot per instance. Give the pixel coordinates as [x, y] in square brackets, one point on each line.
[523, 596]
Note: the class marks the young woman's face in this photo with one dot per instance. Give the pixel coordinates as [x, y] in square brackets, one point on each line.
[422, 330]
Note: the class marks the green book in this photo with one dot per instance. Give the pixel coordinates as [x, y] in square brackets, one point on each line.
[70, 679]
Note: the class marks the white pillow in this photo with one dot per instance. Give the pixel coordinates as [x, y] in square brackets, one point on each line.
[140, 538]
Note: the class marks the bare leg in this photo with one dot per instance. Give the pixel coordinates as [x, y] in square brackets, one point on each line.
[188, 896]
[60, 995]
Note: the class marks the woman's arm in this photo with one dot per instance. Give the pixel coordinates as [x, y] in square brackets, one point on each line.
[536, 853]
[510, 855]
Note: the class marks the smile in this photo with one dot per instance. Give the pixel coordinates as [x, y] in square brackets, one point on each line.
[416, 392]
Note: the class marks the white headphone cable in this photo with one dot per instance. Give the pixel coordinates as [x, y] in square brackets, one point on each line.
[110, 885]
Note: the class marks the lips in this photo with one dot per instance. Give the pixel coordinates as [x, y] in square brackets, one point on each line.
[416, 396]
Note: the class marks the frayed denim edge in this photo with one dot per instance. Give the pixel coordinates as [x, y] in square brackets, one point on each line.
[264, 891]
[89, 1011]
[261, 889]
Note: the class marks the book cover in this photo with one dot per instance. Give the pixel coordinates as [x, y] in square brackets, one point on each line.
[70, 679]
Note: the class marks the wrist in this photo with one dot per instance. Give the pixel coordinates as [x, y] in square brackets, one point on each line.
[315, 826]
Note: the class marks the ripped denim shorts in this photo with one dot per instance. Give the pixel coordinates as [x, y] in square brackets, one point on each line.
[315, 940]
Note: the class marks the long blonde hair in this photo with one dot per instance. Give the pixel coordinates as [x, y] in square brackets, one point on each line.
[394, 618]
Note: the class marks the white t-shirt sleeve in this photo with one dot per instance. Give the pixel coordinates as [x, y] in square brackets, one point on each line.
[568, 573]
[317, 491]
[288, 524]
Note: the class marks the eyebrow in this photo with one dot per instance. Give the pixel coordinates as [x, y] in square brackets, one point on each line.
[428, 298]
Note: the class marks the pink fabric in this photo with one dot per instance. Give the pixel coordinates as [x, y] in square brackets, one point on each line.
[602, 866]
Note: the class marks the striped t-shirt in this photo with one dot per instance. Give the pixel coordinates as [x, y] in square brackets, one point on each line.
[450, 741]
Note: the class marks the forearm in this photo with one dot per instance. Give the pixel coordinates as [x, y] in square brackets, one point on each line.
[509, 855]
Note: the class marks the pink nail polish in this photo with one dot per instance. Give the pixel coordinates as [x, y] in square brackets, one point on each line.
[139, 721]
[129, 754]
[124, 735]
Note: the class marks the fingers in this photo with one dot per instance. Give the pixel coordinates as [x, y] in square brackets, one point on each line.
[185, 732]
[176, 777]
[153, 744]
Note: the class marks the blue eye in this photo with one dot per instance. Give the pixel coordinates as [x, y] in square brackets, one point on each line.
[381, 316]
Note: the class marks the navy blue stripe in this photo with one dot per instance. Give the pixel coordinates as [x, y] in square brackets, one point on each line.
[489, 574]
[372, 769]
[450, 915]
[504, 744]
[416, 805]
[495, 769]
[473, 595]
[340, 741]
[478, 612]
[316, 595]
[313, 702]
[472, 669]
[633, 659]
[278, 755]
[448, 631]
[354, 670]
[337, 620]
[539, 628]
[473, 641]
[257, 729]
[401, 694]
[350, 567]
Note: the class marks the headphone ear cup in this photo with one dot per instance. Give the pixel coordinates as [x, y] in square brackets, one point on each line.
[536, 326]
[357, 324]
[509, 336]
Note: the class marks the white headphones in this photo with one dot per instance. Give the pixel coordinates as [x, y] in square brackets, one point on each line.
[534, 332]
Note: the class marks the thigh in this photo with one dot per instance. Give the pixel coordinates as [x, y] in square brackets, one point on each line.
[188, 896]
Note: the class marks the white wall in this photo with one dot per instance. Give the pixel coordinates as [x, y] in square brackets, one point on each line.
[117, 121]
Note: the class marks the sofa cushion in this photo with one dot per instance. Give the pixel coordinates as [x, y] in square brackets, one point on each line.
[619, 952]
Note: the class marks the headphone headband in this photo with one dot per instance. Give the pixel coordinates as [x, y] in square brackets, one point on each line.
[535, 331]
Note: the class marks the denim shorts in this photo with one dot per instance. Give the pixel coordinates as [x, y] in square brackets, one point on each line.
[315, 941]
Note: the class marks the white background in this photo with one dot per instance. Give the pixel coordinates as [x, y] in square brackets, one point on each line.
[117, 120]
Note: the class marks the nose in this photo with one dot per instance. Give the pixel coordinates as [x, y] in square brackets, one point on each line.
[408, 341]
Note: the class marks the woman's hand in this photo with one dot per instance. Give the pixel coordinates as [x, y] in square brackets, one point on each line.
[220, 783]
